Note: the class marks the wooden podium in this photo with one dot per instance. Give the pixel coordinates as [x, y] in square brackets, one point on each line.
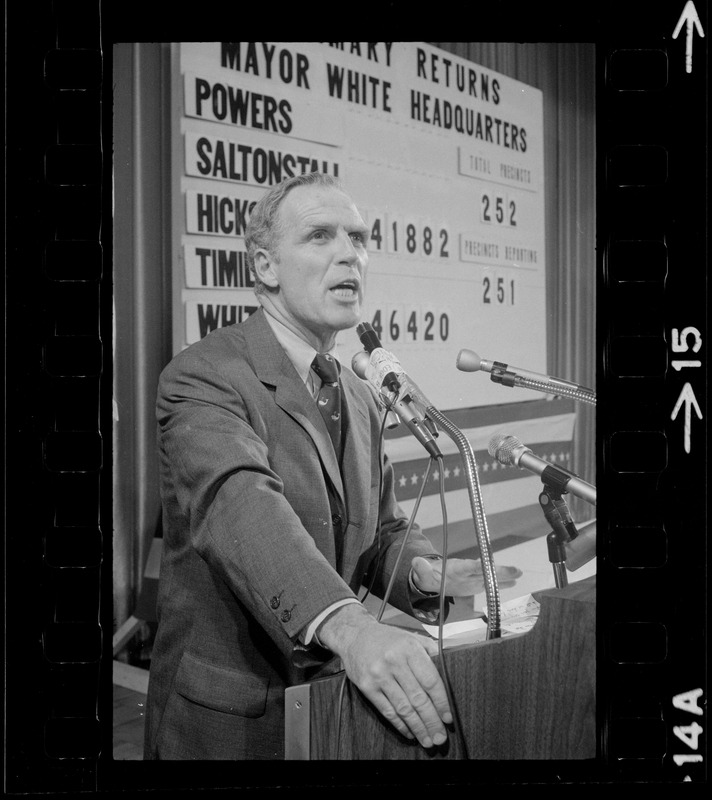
[524, 696]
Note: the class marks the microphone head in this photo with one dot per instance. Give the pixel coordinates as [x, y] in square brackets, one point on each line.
[368, 337]
[359, 363]
[504, 448]
[468, 361]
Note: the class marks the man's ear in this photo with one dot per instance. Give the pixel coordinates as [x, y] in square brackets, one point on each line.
[264, 268]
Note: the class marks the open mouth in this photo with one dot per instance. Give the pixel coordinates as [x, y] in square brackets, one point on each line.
[346, 289]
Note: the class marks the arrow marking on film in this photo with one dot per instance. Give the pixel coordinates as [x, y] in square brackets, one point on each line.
[691, 21]
[687, 396]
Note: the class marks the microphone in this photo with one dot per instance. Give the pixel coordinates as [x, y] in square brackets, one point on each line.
[359, 364]
[401, 405]
[509, 450]
[384, 370]
[382, 361]
[469, 361]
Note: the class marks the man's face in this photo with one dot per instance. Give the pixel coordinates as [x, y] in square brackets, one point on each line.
[320, 263]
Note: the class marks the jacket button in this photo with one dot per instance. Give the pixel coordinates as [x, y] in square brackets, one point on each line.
[285, 616]
[336, 519]
[274, 602]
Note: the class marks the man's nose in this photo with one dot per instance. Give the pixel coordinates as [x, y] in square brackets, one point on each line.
[347, 251]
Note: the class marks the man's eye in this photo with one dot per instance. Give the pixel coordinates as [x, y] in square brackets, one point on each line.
[358, 237]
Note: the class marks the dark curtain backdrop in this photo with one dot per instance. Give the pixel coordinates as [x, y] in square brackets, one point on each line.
[142, 262]
[142, 302]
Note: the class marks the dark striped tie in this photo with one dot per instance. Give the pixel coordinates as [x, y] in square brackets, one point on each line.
[329, 398]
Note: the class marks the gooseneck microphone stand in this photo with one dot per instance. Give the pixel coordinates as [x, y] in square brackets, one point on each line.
[563, 388]
[473, 486]
[432, 418]
[506, 375]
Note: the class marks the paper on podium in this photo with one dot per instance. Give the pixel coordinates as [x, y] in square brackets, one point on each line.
[516, 616]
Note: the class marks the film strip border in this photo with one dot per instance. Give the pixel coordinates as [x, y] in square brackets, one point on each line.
[653, 229]
[652, 221]
[58, 425]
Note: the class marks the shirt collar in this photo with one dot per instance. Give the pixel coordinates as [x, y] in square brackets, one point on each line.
[299, 351]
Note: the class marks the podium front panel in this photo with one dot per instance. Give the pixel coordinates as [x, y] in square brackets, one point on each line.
[523, 696]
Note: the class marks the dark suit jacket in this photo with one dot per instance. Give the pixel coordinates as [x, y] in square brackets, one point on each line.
[260, 534]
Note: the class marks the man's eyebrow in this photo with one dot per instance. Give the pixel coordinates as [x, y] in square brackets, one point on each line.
[359, 227]
[316, 223]
[319, 223]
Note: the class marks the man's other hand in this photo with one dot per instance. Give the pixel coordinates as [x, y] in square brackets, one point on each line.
[463, 576]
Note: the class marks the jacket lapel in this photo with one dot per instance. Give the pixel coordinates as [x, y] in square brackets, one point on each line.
[273, 367]
[357, 444]
[356, 466]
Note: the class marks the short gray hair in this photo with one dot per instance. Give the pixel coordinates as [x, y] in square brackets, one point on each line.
[262, 230]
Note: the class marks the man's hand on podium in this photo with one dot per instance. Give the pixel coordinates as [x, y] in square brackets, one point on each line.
[463, 576]
[394, 670]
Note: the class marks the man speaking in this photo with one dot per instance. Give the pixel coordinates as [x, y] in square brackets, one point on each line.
[278, 507]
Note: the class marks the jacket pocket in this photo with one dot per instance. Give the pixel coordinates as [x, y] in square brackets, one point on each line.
[226, 690]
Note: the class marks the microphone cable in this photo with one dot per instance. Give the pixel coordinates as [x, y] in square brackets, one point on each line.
[441, 598]
[384, 602]
[339, 712]
[344, 679]
[411, 522]
[441, 616]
